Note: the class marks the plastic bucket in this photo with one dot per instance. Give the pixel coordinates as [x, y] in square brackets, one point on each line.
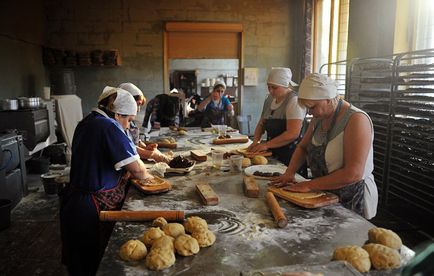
[51, 187]
[5, 213]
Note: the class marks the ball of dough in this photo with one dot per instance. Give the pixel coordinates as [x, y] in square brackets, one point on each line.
[165, 242]
[355, 255]
[195, 224]
[182, 132]
[152, 234]
[204, 238]
[385, 237]
[159, 259]
[133, 250]
[246, 162]
[159, 222]
[259, 160]
[383, 257]
[174, 229]
[186, 245]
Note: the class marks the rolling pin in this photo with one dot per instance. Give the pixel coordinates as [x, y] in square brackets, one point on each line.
[278, 215]
[141, 215]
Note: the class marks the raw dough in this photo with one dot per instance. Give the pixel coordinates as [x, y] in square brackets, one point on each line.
[182, 132]
[174, 229]
[383, 257]
[186, 245]
[195, 224]
[159, 222]
[204, 238]
[385, 237]
[246, 162]
[165, 242]
[259, 160]
[159, 259]
[355, 255]
[152, 234]
[302, 196]
[133, 250]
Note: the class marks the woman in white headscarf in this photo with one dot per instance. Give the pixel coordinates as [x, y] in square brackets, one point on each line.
[103, 158]
[282, 117]
[216, 106]
[338, 147]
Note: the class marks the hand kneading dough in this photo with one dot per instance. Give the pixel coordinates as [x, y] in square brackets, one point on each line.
[165, 242]
[159, 259]
[246, 162]
[204, 238]
[355, 255]
[159, 222]
[152, 234]
[259, 160]
[133, 250]
[195, 224]
[383, 257]
[385, 237]
[174, 229]
[185, 245]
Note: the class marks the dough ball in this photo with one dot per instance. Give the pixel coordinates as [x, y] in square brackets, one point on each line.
[159, 259]
[259, 160]
[246, 162]
[174, 229]
[133, 250]
[165, 242]
[355, 255]
[159, 222]
[385, 237]
[165, 141]
[182, 132]
[152, 234]
[195, 224]
[186, 245]
[204, 238]
[383, 257]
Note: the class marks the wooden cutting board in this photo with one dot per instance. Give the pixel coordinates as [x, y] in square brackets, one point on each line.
[311, 203]
[238, 139]
[162, 144]
[155, 186]
[250, 154]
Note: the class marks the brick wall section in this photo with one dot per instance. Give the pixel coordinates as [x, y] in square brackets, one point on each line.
[135, 27]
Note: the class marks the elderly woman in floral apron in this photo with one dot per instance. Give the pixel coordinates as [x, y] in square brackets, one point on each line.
[282, 117]
[216, 106]
[338, 147]
[103, 158]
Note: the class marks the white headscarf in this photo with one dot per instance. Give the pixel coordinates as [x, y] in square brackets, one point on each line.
[124, 103]
[281, 76]
[134, 90]
[219, 82]
[318, 87]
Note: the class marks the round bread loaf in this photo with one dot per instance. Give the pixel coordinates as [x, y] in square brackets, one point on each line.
[186, 245]
[382, 257]
[385, 237]
[159, 259]
[204, 238]
[195, 224]
[246, 162]
[174, 229]
[159, 222]
[259, 160]
[355, 255]
[133, 250]
[152, 234]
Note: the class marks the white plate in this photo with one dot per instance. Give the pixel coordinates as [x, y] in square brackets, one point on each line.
[180, 170]
[264, 169]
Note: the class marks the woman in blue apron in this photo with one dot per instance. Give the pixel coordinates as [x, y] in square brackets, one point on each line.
[215, 106]
[103, 158]
[282, 117]
[338, 146]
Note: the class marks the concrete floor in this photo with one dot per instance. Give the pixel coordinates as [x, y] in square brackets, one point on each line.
[32, 246]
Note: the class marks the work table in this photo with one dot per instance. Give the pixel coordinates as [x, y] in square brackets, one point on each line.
[247, 238]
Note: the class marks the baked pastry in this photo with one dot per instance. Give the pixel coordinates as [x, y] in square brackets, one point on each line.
[259, 160]
[195, 224]
[246, 162]
[355, 255]
[382, 257]
[152, 234]
[204, 238]
[159, 259]
[186, 245]
[133, 250]
[385, 237]
[159, 222]
[174, 229]
[165, 242]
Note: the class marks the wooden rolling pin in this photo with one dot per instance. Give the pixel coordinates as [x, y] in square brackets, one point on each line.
[278, 215]
[169, 215]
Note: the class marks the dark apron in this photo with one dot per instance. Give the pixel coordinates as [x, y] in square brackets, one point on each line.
[213, 116]
[350, 196]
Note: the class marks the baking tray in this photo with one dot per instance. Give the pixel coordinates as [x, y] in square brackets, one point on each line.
[330, 269]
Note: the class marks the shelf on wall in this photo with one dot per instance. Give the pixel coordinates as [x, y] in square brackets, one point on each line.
[70, 59]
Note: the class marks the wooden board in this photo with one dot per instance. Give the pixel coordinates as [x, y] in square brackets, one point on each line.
[198, 155]
[156, 186]
[311, 203]
[239, 139]
[162, 145]
[251, 188]
[207, 194]
[251, 154]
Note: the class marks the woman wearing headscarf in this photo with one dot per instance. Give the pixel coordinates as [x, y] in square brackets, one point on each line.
[103, 158]
[215, 106]
[282, 117]
[149, 151]
[338, 147]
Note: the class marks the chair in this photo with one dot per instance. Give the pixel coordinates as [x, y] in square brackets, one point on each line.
[242, 121]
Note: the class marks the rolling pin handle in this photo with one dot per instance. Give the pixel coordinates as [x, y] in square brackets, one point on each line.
[278, 215]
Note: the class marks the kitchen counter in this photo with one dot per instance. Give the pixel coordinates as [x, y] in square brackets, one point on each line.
[247, 236]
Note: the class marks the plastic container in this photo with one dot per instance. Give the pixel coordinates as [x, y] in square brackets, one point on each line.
[51, 187]
[5, 213]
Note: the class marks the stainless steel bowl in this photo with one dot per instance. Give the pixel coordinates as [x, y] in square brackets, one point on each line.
[9, 104]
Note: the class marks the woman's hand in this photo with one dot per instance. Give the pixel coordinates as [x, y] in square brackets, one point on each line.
[259, 148]
[159, 157]
[283, 180]
[301, 187]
